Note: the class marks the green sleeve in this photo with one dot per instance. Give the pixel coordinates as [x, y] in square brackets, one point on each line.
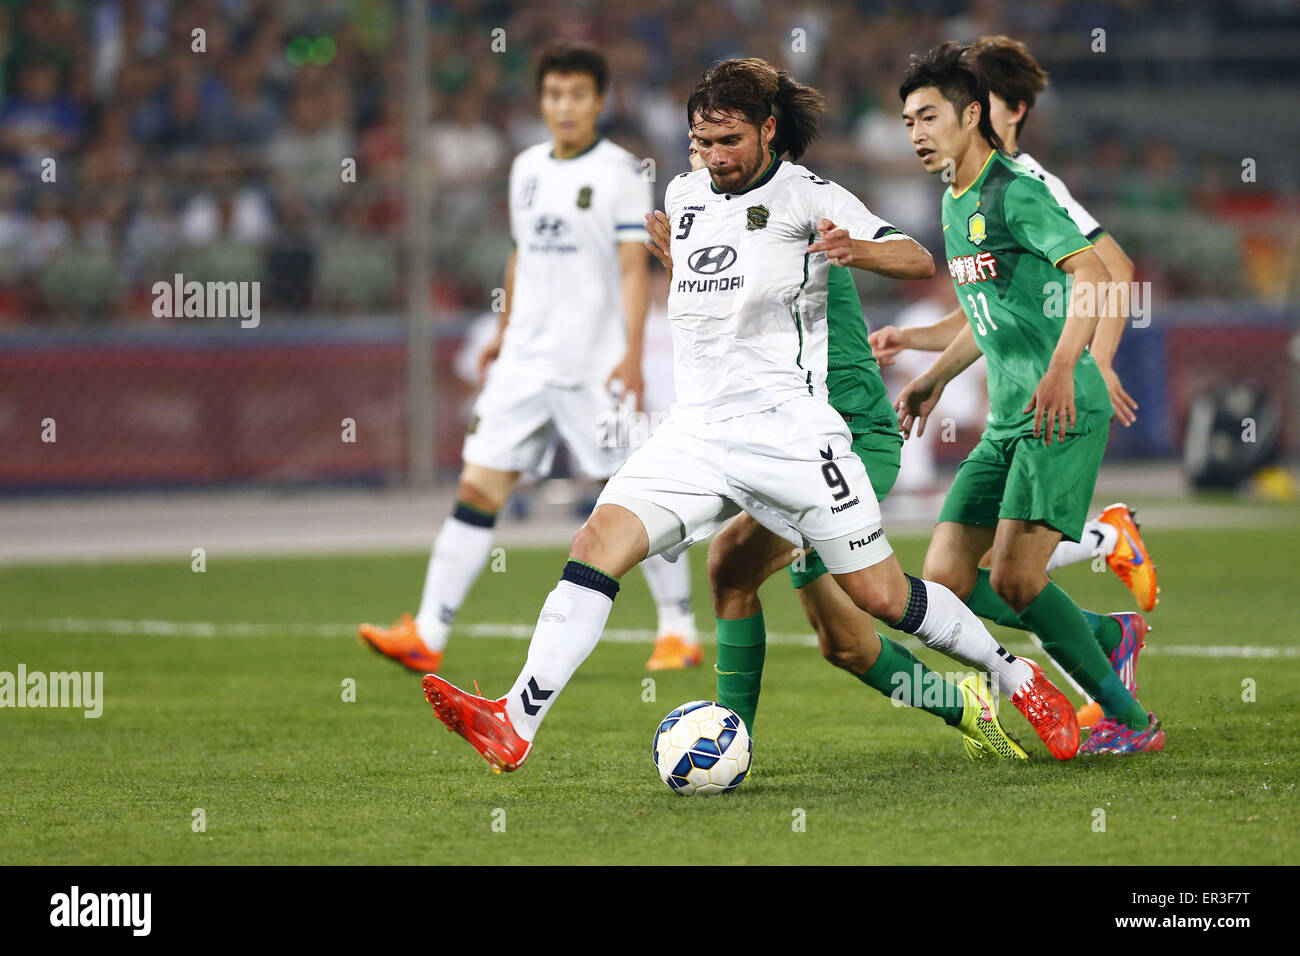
[1038, 222]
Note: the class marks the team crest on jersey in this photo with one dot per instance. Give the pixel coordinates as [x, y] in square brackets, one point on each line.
[584, 197]
[976, 228]
[756, 217]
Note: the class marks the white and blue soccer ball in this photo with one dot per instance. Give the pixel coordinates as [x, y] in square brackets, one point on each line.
[702, 747]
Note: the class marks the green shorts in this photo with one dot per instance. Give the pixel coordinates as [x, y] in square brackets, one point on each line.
[1023, 479]
[880, 448]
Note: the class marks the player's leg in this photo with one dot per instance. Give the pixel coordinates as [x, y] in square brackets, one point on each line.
[611, 542]
[677, 641]
[461, 549]
[942, 622]
[1120, 635]
[742, 556]
[1019, 579]
[848, 639]
[1048, 488]
[641, 511]
[953, 556]
[1115, 535]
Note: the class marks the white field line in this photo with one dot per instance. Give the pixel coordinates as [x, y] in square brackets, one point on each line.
[209, 629]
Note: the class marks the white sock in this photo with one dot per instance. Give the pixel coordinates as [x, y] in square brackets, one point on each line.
[568, 628]
[670, 586]
[459, 553]
[952, 628]
[1098, 538]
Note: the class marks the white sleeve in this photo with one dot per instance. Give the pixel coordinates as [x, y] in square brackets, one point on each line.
[671, 200]
[832, 201]
[633, 203]
[512, 195]
[1083, 219]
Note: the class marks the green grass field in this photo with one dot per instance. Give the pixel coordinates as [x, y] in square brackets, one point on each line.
[249, 724]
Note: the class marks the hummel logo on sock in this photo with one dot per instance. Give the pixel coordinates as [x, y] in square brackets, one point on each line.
[531, 709]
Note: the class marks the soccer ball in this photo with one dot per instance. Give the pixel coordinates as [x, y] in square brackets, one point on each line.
[702, 747]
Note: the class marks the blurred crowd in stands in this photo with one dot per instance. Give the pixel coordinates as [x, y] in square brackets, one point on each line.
[133, 148]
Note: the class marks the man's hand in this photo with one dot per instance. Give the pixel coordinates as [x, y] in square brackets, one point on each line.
[915, 403]
[660, 241]
[628, 371]
[1053, 401]
[834, 241]
[489, 355]
[885, 343]
[1125, 407]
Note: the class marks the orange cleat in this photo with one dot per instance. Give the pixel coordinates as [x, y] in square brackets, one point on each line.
[484, 723]
[674, 653]
[1089, 715]
[1049, 713]
[1130, 560]
[401, 643]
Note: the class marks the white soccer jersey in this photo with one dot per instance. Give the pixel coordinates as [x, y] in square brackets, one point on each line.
[567, 217]
[747, 302]
[1089, 226]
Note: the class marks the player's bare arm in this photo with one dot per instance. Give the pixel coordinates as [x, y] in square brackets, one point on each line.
[493, 348]
[1053, 400]
[919, 397]
[895, 258]
[636, 300]
[888, 341]
[1110, 328]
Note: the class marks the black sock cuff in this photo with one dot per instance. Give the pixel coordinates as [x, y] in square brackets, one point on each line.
[585, 576]
[473, 516]
[917, 603]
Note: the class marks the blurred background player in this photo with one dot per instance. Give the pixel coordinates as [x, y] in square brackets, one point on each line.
[569, 342]
[1015, 79]
[1029, 480]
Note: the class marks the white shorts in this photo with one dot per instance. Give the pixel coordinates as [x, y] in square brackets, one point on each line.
[518, 418]
[791, 467]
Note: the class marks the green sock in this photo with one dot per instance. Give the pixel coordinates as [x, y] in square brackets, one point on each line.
[898, 673]
[742, 645]
[1065, 634]
[1106, 630]
[984, 601]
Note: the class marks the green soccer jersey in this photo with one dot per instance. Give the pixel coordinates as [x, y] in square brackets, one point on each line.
[1004, 237]
[853, 383]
